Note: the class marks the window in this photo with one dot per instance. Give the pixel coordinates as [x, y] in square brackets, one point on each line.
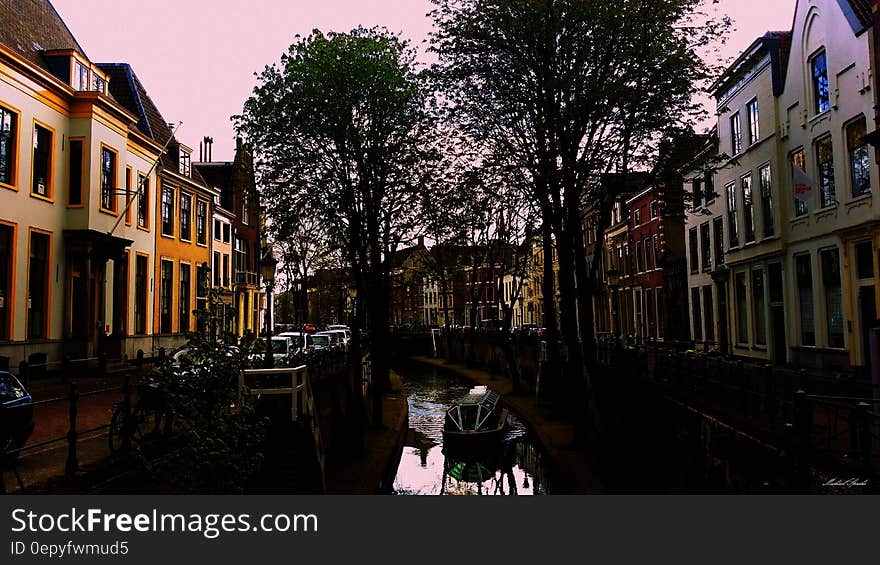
[697, 192]
[801, 195]
[143, 215]
[166, 288]
[697, 318]
[202, 283]
[653, 209]
[864, 260]
[650, 260]
[7, 253]
[758, 309]
[183, 298]
[656, 251]
[8, 145]
[735, 135]
[742, 314]
[140, 295]
[202, 222]
[227, 233]
[833, 296]
[38, 286]
[748, 209]
[98, 83]
[709, 313]
[692, 245]
[80, 76]
[167, 210]
[241, 255]
[754, 129]
[805, 299]
[637, 216]
[733, 228]
[705, 248]
[859, 157]
[108, 179]
[217, 273]
[218, 230]
[766, 182]
[718, 236]
[129, 196]
[185, 217]
[226, 269]
[639, 256]
[184, 162]
[42, 167]
[75, 175]
[825, 166]
[709, 186]
[819, 67]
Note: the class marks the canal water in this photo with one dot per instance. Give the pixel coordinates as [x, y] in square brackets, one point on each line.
[517, 467]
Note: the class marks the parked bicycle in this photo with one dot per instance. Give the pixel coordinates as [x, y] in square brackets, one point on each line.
[150, 417]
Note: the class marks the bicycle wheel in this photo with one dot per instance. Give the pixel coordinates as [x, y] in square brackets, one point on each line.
[116, 433]
[146, 422]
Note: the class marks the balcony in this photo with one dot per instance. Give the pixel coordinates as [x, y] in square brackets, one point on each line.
[246, 278]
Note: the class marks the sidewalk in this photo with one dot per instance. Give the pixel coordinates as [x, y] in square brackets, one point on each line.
[572, 467]
[373, 472]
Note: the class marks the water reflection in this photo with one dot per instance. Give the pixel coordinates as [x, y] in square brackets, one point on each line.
[516, 467]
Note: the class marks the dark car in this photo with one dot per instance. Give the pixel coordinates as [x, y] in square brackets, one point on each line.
[16, 413]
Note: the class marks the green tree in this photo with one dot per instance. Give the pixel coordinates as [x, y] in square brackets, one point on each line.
[341, 131]
[567, 91]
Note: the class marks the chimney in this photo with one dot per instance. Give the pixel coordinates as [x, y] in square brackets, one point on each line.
[208, 143]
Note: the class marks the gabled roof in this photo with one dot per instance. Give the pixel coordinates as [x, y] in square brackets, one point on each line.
[858, 13]
[30, 27]
[128, 90]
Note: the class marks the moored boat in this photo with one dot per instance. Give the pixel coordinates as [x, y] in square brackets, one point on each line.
[475, 422]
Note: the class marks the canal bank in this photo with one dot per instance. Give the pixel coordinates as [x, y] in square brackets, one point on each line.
[574, 470]
[373, 471]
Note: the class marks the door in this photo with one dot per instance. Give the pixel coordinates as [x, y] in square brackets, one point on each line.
[723, 339]
[867, 320]
[777, 314]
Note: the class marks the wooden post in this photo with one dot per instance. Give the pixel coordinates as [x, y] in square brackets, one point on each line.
[865, 439]
[126, 413]
[771, 402]
[72, 464]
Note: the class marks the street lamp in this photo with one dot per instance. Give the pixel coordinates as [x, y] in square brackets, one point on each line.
[268, 263]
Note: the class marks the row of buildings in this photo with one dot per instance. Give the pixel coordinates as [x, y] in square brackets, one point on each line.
[111, 233]
[767, 250]
[783, 231]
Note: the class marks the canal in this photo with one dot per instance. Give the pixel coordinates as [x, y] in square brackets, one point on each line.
[517, 467]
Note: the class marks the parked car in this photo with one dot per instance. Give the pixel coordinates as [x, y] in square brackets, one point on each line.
[342, 335]
[282, 351]
[16, 414]
[320, 342]
[337, 340]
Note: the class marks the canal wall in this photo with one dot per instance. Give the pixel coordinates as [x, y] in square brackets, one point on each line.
[373, 470]
[574, 471]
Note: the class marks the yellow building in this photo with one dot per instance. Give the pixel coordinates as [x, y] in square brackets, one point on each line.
[72, 250]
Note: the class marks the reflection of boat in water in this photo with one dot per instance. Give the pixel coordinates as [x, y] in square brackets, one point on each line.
[490, 473]
[476, 422]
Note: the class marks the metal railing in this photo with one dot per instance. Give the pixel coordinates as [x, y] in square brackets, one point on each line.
[296, 382]
[831, 419]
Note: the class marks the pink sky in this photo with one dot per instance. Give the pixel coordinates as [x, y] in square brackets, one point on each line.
[197, 57]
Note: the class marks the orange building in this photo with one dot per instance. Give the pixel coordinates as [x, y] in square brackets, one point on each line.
[184, 205]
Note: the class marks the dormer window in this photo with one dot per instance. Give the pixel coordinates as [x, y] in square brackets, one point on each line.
[98, 83]
[80, 76]
[184, 162]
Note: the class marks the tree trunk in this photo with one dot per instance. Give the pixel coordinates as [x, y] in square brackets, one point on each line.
[550, 380]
